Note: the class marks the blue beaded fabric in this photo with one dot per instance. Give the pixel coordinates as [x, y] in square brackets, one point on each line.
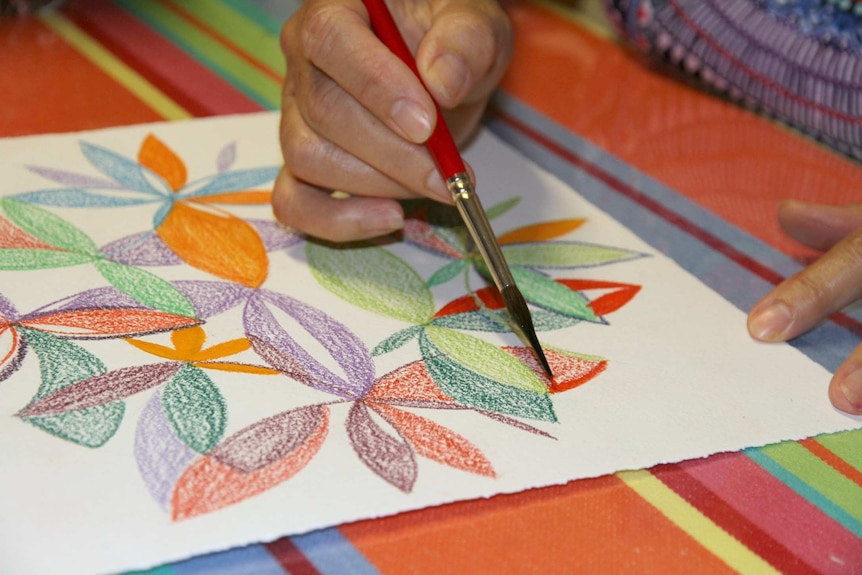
[798, 60]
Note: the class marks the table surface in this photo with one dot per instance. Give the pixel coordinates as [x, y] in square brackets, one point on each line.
[659, 155]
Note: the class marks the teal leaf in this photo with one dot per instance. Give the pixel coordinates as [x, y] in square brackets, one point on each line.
[21, 259]
[62, 363]
[565, 255]
[481, 320]
[485, 359]
[543, 291]
[47, 227]
[195, 408]
[396, 340]
[147, 288]
[498, 210]
[446, 273]
[372, 278]
[475, 390]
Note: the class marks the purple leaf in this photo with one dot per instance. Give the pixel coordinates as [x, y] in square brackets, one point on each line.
[226, 157]
[97, 298]
[390, 458]
[212, 298]
[274, 235]
[513, 422]
[141, 249]
[161, 455]
[7, 309]
[76, 180]
[271, 439]
[102, 389]
[286, 364]
[13, 362]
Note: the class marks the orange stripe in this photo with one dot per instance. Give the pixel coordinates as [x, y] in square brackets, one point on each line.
[833, 460]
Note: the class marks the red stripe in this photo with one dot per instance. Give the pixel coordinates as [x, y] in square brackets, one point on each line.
[666, 213]
[181, 78]
[832, 460]
[291, 558]
[726, 517]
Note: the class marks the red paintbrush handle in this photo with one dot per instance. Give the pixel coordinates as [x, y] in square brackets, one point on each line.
[440, 144]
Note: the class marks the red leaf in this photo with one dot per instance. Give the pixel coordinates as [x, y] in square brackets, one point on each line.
[569, 371]
[436, 442]
[209, 485]
[108, 323]
[422, 233]
[411, 382]
[12, 237]
[609, 302]
[489, 297]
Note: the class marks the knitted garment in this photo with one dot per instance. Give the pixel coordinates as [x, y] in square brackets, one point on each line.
[798, 60]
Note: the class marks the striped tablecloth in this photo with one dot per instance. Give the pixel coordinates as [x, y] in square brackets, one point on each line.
[696, 177]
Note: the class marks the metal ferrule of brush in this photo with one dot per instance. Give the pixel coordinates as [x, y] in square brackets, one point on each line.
[474, 217]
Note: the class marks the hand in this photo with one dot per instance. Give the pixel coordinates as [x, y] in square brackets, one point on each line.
[826, 286]
[354, 117]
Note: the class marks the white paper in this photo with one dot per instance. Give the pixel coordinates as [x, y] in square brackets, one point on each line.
[682, 379]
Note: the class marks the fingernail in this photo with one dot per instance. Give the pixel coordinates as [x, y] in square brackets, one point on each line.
[770, 323]
[382, 221]
[412, 120]
[852, 388]
[448, 75]
[437, 187]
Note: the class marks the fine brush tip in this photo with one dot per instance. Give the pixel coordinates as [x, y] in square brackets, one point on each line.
[517, 306]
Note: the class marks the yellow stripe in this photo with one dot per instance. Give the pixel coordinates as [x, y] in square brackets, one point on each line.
[588, 15]
[127, 77]
[696, 524]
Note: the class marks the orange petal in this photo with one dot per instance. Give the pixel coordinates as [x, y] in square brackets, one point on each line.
[159, 158]
[156, 349]
[223, 349]
[189, 341]
[241, 197]
[216, 242]
[541, 231]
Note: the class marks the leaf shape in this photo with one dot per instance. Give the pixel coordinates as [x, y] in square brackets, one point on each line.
[436, 442]
[14, 237]
[488, 297]
[74, 180]
[501, 208]
[372, 278]
[13, 348]
[410, 382]
[147, 288]
[92, 390]
[27, 259]
[390, 458]
[218, 243]
[482, 320]
[213, 298]
[226, 157]
[424, 235]
[396, 340]
[77, 198]
[208, 485]
[565, 255]
[47, 227]
[541, 232]
[161, 160]
[570, 369]
[609, 302]
[141, 249]
[485, 359]
[105, 323]
[195, 408]
[470, 388]
[447, 272]
[232, 181]
[543, 291]
[62, 365]
[119, 168]
[271, 439]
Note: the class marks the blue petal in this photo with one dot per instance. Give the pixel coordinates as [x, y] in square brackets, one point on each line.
[119, 168]
[78, 198]
[230, 182]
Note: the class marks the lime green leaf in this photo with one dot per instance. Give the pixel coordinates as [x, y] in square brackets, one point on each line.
[498, 210]
[147, 288]
[372, 278]
[21, 259]
[485, 359]
[543, 291]
[47, 227]
[565, 255]
[447, 272]
[195, 408]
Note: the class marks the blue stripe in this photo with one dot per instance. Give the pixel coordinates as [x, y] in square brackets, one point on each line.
[332, 554]
[252, 559]
[804, 490]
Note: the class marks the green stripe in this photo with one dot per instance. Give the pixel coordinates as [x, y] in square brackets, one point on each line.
[252, 82]
[846, 445]
[255, 14]
[805, 491]
[254, 39]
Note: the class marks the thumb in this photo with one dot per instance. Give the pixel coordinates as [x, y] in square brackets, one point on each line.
[465, 51]
[818, 226]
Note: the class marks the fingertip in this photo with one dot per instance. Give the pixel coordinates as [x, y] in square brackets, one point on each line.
[770, 321]
[845, 392]
[448, 79]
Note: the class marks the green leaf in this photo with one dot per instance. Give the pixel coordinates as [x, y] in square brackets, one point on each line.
[146, 288]
[63, 363]
[565, 255]
[372, 278]
[47, 227]
[475, 390]
[447, 272]
[21, 259]
[196, 409]
[396, 340]
[485, 359]
[481, 320]
[498, 210]
[543, 291]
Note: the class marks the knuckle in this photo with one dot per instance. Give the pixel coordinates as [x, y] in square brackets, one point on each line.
[813, 292]
[320, 30]
[322, 101]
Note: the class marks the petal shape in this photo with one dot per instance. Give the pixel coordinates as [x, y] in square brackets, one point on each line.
[424, 235]
[501, 208]
[231, 182]
[78, 198]
[195, 408]
[26, 259]
[118, 168]
[410, 382]
[141, 249]
[565, 255]
[541, 232]
[396, 340]
[188, 342]
[218, 243]
[208, 485]
[543, 291]
[47, 227]
[106, 323]
[570, 369]
[74, 180]
[237, 198]
[226, 157]
[161, 160]
[146, 287]
[213, 298]
[13, 237]
[447, 272]
[609, 302]
[389, 457]
[436, 442]
[372, 278]
[13, 348]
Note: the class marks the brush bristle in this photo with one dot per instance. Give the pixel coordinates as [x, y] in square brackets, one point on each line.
[517, 306]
